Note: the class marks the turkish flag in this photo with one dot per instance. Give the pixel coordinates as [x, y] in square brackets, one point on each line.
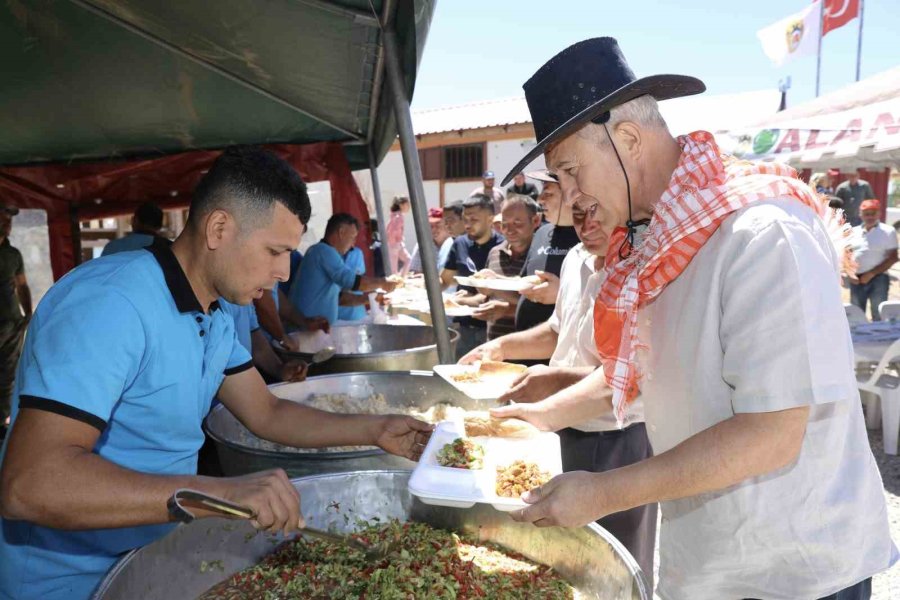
[838, 13]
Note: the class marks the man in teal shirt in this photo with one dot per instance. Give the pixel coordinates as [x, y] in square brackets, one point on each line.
[120, 365]
[352, 305]
[323, 272]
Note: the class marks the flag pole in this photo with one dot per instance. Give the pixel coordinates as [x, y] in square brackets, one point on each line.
[819, 49]
[859, 41]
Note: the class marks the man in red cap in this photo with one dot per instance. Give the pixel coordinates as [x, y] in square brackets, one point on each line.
[440, 235]
[871, 282]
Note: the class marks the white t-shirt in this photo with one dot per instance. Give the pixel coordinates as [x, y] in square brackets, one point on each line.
[881, 241]
[573, 320]
[755, 323]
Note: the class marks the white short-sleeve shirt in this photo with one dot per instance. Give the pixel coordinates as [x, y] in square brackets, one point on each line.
[755, 323]
[881, 241]
[573, 320]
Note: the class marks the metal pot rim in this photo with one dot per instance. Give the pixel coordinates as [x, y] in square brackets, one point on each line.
[307, 356]
[342, 455]
[623, 554]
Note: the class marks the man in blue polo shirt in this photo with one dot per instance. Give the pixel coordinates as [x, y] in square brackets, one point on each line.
[323, 272]
[120, 365]
[352, 305]
[468, 256]
[251, 337]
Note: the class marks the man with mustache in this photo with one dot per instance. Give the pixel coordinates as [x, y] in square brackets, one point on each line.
[596, 443]
[726, 317]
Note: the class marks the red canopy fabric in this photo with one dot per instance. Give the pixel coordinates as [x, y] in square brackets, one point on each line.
[79, 192]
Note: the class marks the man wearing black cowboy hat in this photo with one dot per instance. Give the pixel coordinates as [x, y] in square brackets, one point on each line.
[725, 315]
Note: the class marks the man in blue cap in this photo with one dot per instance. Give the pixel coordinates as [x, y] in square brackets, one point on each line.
[119, 368]
[487, 189]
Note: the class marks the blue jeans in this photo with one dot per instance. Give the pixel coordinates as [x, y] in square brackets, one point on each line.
[875, 292]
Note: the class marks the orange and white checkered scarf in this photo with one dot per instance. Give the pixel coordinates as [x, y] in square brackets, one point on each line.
[705, 189]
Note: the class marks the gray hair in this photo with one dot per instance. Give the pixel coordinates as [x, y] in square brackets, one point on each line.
[642, 111]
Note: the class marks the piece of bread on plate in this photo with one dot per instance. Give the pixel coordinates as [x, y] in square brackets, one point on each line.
[481, 423]
[493, 367]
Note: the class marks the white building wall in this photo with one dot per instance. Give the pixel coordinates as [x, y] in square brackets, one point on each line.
[503, 156]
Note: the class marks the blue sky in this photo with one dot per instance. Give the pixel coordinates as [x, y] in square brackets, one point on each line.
[485, 49]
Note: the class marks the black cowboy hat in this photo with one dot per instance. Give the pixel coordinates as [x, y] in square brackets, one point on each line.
[542, 175]
[583, 82]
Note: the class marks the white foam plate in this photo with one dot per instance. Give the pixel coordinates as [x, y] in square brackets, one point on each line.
[453, 311]
[463, 488]
[479, 390]
[516, 284]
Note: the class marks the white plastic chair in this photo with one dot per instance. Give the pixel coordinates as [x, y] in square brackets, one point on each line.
[889, 309]
[887, 386]
[855, 314]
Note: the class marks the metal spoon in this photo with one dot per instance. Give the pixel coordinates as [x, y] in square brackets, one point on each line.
[227, 508]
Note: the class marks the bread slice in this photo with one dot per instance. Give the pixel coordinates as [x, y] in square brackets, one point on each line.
[481, 423]
[494, 368]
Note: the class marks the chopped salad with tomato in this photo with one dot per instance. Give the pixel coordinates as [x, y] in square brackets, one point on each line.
[428, 563]
[461, 453]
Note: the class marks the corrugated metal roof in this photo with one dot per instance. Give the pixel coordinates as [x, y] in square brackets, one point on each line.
[709, 112]
[476, 115]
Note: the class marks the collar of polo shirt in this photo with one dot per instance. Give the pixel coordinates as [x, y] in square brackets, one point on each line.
[178, 283]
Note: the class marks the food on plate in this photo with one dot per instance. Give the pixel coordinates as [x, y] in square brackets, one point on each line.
[451, 303]
[481, 423]
[425, 563]
[395, 278]
[532, 279]
[493, 368]
[483, 274]
[488, 371]
[466, 377]
[518, 478]
[461, 453]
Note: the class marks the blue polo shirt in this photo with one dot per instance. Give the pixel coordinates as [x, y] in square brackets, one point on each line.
[245, 321]
[323, 274]
[296, 259]
[356, 261]
[132, 241]
[122, 344]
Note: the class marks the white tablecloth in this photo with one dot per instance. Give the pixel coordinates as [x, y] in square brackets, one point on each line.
[871, 340]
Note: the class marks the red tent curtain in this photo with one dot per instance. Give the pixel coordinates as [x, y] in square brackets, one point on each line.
[103, 189]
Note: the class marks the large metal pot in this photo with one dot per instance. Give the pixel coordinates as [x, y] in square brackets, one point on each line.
[370, 348]
[241, 452]
[173, 567]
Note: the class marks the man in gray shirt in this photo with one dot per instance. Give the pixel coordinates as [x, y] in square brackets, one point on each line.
[853, 192]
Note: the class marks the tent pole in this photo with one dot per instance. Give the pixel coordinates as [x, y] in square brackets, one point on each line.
[859, 39]
[416, 193]
[819, 47]
[379, 209]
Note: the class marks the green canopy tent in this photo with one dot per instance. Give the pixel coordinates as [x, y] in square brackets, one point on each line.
[108, 103]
